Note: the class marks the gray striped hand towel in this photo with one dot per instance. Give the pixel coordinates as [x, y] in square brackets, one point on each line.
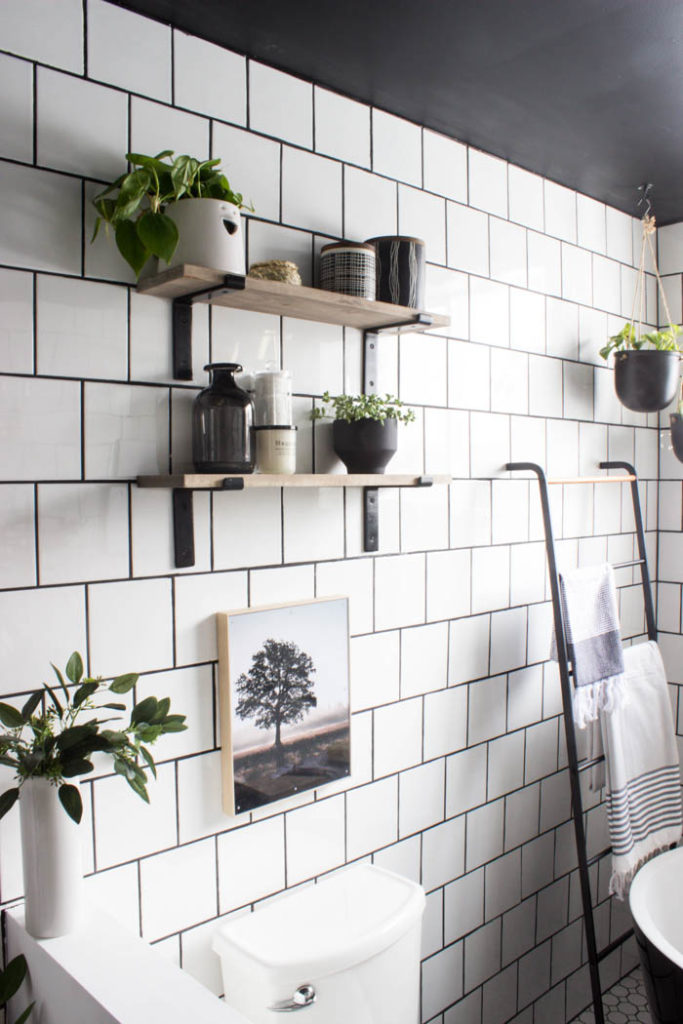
[591, 626]
[643, 775]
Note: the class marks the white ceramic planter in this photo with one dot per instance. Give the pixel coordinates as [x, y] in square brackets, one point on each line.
[51, 855]
[210, 234]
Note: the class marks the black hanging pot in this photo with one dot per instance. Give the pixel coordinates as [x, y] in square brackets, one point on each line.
[677, 434]
[646, 380]
[365, 446]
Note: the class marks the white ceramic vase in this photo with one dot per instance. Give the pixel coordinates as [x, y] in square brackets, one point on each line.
[210, 234]
[51, 856]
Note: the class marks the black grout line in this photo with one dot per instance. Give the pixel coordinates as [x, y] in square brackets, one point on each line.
[86, 37]
[34, 86]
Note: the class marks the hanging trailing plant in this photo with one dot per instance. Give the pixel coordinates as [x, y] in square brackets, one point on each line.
[646, 363]
[628, 338]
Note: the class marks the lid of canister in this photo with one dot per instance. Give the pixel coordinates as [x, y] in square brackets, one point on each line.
[321, 929]
[275, 426]
[394, 238]
[346, 246]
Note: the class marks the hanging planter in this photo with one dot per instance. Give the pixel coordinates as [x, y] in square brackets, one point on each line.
[646, 363]
[677, 434]
[646, 379]
[676, 420]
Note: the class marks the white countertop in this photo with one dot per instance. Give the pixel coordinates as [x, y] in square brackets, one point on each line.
[103, 974]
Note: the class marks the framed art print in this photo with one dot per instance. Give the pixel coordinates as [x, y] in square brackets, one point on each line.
[284, 700]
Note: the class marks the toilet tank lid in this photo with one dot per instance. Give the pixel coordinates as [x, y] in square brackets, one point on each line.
[325, 928]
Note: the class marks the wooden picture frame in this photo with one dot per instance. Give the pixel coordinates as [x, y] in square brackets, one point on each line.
[284, 700]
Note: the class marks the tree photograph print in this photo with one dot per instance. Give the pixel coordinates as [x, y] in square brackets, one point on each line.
[284, 692]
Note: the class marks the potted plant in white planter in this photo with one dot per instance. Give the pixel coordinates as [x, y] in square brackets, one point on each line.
[50, 742]
[646, 367]
[364, 429]
[182, 211]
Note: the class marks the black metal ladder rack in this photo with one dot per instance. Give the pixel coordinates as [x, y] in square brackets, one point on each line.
[595, 955]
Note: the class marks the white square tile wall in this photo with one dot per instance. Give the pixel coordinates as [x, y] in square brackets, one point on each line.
[221, 90]
[16, 118]
[458, 759]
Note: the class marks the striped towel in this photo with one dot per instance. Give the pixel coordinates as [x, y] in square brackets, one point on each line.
[643, 775]
[591, 624]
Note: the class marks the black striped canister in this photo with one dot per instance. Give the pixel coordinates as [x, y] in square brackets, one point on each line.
[400, 270]
[349, 268]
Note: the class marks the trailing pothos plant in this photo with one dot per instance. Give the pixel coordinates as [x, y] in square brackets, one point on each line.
[134, 205]
[363, 407]
[628, 339]
[54, 736]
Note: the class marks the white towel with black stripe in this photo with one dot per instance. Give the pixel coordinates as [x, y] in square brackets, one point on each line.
[591, 626]
[643, 774]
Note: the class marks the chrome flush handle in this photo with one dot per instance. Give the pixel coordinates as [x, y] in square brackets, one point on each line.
[304, 996]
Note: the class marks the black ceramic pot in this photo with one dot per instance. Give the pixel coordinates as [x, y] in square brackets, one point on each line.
[646, 380]
[365, 446]
[677, 435]
[400, 270]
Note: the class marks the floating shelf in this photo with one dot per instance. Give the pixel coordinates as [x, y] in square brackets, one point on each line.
[244, 481]
[205, 285]
[184, 484]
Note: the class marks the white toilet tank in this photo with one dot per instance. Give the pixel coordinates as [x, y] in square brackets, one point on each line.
[345, 951]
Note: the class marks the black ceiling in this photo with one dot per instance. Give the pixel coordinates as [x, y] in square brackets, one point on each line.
[586, 92]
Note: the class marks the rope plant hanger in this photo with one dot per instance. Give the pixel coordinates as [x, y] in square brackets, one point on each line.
[646, 363]
[649, 226]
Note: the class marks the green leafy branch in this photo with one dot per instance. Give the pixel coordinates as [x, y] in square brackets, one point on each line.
[363, 407]
[11, 980]
[627, 339]
[48, 739]
[136, 213]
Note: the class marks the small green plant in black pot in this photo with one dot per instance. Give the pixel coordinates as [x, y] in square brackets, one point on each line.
[646, 366]
[364, 428]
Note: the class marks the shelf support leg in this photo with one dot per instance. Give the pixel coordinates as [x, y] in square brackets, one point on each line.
[370, 519]
[182, 339]
[370, 340]
[370, 494]
[183, 528]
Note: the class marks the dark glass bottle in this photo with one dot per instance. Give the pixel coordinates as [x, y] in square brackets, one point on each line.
[222, 421]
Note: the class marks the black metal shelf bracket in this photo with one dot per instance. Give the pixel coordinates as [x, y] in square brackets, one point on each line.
[183, 520]
[182, 321]
[370, 343]
[371, 512]
[370, 372]
[183, 528]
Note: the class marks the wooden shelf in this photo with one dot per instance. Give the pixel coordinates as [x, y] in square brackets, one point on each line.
[296, 301]
[244, 481]
[183, 486]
